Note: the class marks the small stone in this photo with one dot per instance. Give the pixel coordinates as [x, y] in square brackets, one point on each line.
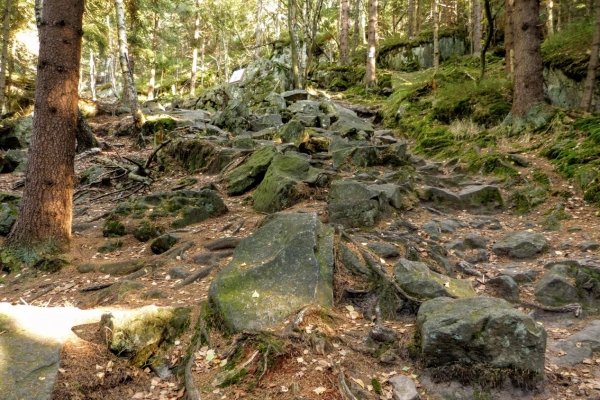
[432, 229]
[178, 273]
[164, 243]
[521, 244]
[588, 246]
[506, 288]
[383, 334]
[384, 250]
[474, 241]
[404, 388]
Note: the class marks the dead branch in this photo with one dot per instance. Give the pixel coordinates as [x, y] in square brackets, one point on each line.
[195, 276]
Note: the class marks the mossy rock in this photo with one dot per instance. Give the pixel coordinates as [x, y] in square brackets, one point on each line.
[249, 174]
[8, 216]
[121, 268]
[110, 245]
[163, 243]
[91, 174]
[195, 155]
[113, 228]
[158, 126]
[294, 132]
[51, 264]
[147, 230]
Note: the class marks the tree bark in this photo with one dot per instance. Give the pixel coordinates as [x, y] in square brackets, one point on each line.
[436, 34]
[588, 92]
[528, 87]
[490, 35]
[45, 215]
[292, 27]
[509, 36]
[355, 41]
[477, 28]
[344, 32]
[92, 75]
[258, 31]
[550, 13]
[4, 60]
[370, 75]
[152, 80]
[134, 104]
[411, 18]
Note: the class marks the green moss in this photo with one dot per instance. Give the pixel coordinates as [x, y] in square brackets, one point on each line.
[146, 231]
[540, 178]
[492, 164]
[567, 50]
[195, 155]
[51, 263]
[9, 262]
[526, 199]
[113, 228]
[435, 141]
[376, 386]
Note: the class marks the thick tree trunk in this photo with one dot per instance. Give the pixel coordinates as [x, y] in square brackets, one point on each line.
[46, 208]
[4, 59]
[134, 104]
[528, 86]
[588, 92]
[436, 36]
[258, 31]
[370, 75]
[152, 80]
[550, 13]
[411, 18]
[508, 36]
[344, 32]
[292, 26]
[477, 28]
[93, 75]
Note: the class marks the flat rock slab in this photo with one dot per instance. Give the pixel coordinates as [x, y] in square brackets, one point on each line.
[30, 345]
[521, 244]
[579, 346]
[284, 266]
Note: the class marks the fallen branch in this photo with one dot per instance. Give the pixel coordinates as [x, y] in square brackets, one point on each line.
[195, 276]
[574, 307]
[93, 288]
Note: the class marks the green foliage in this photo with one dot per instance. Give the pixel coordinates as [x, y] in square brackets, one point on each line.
[113, 228]
[435, 141]
[9, 262]
[567, 50]
[376, 386]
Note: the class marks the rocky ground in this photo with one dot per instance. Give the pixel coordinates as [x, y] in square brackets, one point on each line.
[387, 276]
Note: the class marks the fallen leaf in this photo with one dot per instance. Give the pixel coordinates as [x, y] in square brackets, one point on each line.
[255, 294]
[210, 355]
[360, 382]
[350, 308]
[320, 390]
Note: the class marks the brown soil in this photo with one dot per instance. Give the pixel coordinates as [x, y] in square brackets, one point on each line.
[297, 368]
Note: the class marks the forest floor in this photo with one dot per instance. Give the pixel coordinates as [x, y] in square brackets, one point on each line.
[89, 371]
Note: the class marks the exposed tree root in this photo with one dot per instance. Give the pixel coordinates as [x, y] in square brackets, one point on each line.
[574, 307]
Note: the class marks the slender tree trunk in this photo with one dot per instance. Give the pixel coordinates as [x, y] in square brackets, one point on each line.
[477, 28]
[411, 18]
[152, 81]
[46, 208]
[292, 18]
[509, 36]
[92, 75]
[588, 92]
[550, 21]
[528, 87]
[361, 23]
[344, 32]
[202, 61]
[11, 69]
[589, 4]
[559, 15]
[436, 34]
[418, 17]
[355, 40]
[4, 59]
[258, 32]
[370, 75]
[225, 57]
[134, 104]
[490, 35]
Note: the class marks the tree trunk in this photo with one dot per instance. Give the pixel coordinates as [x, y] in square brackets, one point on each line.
[152, 81]
[550, 21]
[509, 36]
[292, 18]
[588, 92]
[44, 220]
[411, 18]
[4, 59]
[355, 42]
[361, 23]
[418, 17]
[370, 75]
[477, 28]
[85, 137]
[344, 32]
[134, 104]
[258, 31]
[92, 75]
[436, 36]
[528, 86]
[490, 35]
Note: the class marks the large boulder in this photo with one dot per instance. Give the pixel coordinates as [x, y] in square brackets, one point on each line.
[484, 198]
[348, 124]
[234, 117]
[416, 279]
[281, 186]
[251, 173]
[354, 204]
[521, 244]
[293, 132]
[19, 136]
[285, 265]
[481, 331]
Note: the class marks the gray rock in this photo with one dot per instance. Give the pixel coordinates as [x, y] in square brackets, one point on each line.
[588, 246]
[521, 244]
[20, 136]
[404, 388]
[305, 107]
[579, 346]
[265, 122]
[481, 198]
[480, 330]
[506, 288]
[383, 334]
[456, 245]
[521, 275]
[419, 281]
[285, 265]
[441, 197]
[295, 95]
[164, 243]
[234, 117]
[474, 241]
[571, 281]
[394, 193]
[309, 121]
[14, 161]
[448, 225]
[293, 132]
[352, 262]
[432, 229]
[8, 216]
[353, 205]
[178, 273]
[385, 250]
[349, 125]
